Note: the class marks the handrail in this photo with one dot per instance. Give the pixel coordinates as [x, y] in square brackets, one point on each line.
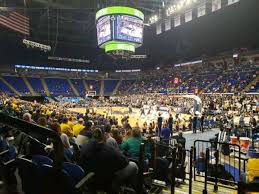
[191, 170]
[141, 168]
[216, 173]
[27, 127]
[173, 171]
[223, 143]
[205, 191]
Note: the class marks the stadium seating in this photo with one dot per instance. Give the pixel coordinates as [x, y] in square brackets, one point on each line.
[79, 85]
[96, 85]
[124, 86]
[109, 86]
[36, 85]
[218, 81]
[4, 88]
[58, 86]
[17, 83]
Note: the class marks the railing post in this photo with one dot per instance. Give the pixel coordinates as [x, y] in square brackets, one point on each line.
[190, 171]
[205, 191]
[153, 156]
[173, 173]
[239, 160]
[216, 173]
[194, 160]
[141, 168]
[240, 189]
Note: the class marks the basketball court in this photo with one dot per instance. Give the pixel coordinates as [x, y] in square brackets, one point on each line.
[135, 117]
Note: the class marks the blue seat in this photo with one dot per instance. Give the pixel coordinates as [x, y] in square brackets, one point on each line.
[43, 179]
[68, 154]
[74, 171]
[41, 160]
[10, 155]
[200, 166]
[29, 174]
[4, 145]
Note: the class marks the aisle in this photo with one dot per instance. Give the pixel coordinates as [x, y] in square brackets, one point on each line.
[190, 137]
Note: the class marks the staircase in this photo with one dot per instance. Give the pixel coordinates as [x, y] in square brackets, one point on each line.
[45, 86]
[27, 83]
[102, 88]
[247, 88]
[85, 85]
[130, 87]
[10, 86]
[117, 87]
[73, 87]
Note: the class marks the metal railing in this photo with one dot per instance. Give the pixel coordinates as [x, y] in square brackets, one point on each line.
[231, 162]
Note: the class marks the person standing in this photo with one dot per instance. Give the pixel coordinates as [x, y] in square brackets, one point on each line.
[170, 124]
[159, 123]
[194, 121]
[202, 122]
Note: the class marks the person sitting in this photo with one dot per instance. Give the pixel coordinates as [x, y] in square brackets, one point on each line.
[108, 137]
[180, 139]
[200, 163]
[70, 122]
[77, 128]
[252, 172]
[65, 128]
[108, 164]
[132, 145]
[27, 117]
[85, 135]
[117, 136]
[64, 138]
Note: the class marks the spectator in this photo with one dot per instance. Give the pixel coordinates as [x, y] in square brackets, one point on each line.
[27, 117]
[65, 128]
[200, 163]
[117, 136]
[85, 135]
[108, 137]
[195, 122]
[170, 124]
[77, 128]
[42, 121]
[159, 123]
[202, 122]
[64, 138]
[116, 168]
[180, 139]
[70, 122]
[132, 145]
[165, 134]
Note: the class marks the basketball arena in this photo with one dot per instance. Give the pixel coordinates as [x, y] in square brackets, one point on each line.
[129, 97]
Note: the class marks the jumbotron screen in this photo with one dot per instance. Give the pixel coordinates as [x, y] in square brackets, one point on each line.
[104, 33]
[119, 27]
[129, 28]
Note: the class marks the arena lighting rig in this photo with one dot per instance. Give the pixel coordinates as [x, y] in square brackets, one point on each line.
[32, 44]
[119, 30]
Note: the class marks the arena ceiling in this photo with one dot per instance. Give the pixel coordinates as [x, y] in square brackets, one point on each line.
[69, 27]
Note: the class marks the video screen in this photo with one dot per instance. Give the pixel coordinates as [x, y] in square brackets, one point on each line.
[129, 28]
[103, 30]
